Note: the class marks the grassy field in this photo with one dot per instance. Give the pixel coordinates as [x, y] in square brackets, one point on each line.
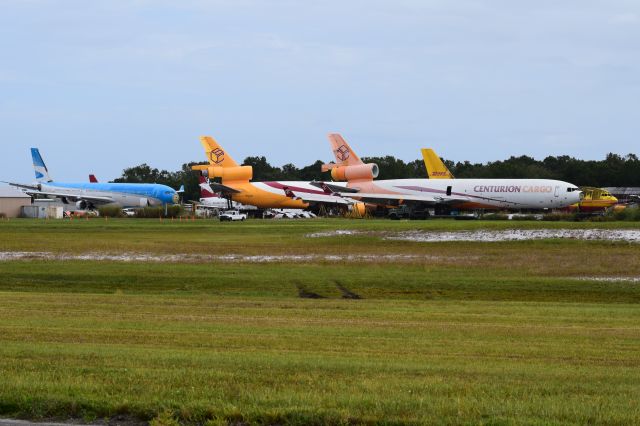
[461, 333]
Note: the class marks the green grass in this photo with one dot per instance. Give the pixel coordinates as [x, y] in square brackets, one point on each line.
[473, 333]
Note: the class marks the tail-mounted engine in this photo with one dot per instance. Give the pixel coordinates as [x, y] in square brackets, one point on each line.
[367, 171]
[244, 173]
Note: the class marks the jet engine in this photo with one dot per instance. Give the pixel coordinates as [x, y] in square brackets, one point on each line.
[358, 172]
[244, 173]
[360, 209]
[82, 205]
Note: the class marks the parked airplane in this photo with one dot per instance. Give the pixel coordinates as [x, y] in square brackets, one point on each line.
[443, 193]
[89, 195]
[594, 199]
[235, 183]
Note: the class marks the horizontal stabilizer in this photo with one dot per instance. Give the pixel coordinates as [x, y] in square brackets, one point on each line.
[330, 188]
[223, 189]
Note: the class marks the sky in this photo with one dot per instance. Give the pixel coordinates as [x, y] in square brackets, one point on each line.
[103, 85]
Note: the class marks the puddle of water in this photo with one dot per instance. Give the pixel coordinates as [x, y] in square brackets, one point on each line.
[231, 258]
[335, 233]
[628, 235]
[610, 279]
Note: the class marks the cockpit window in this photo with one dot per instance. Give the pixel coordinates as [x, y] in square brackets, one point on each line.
[572, 189]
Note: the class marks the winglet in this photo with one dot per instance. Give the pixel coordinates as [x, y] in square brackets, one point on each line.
[434, 165]
[42, 173]
[215, 154]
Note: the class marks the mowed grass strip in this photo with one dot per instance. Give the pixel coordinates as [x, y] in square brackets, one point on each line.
[386, 281]
[250, 237]
[288, 360]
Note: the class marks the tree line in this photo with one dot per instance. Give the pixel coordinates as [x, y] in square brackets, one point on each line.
[614, 170]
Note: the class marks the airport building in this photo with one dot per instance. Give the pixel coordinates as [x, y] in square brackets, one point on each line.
[625, 194]
[12, 201]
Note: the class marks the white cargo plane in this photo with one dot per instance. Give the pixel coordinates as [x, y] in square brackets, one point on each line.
[462, 194]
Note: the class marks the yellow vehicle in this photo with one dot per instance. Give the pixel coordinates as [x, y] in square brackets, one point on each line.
[595, 199]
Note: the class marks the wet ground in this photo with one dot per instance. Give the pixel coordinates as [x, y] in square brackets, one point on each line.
[627, 235]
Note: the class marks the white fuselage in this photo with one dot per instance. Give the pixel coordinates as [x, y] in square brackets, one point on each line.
[482, 193]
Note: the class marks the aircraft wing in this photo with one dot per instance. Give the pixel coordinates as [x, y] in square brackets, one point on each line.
[23, 185]
[332, 188]
[319, 198]
[95, 199]
[375, 198]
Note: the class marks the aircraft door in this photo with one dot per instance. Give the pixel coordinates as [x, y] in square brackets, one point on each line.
[557, 192]
[449, 191]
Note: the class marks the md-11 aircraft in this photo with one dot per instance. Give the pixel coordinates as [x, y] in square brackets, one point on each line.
[88, 195]
[448, 193]
[235, 184]
[593, 199]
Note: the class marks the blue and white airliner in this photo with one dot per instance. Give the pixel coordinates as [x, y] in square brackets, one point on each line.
[89, 195]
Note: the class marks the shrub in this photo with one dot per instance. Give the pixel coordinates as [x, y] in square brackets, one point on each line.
[110, 211]
[164, 418]
[494, 216]
[628, 214]
[559, 217]
[156, 212]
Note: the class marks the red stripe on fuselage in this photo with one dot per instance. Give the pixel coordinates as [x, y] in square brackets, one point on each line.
[278, 185]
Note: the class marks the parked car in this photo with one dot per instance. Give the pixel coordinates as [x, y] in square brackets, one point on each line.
[232, 215]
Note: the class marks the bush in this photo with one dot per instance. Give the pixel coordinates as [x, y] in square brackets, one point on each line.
[559, 217]
[165, 418]
[156, 212]
[494, 216]
[628, 214]
[110, 211]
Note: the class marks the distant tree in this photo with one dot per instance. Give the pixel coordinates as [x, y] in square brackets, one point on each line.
[146, 174]
[313, 172]
[262, 170]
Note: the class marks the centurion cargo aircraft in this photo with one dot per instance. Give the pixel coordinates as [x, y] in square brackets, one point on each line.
[236, 184]
[452, 193]
[89, 195]
[593, 200]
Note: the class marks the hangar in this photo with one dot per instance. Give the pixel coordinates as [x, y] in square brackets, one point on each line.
[11, 201]
[625, 194]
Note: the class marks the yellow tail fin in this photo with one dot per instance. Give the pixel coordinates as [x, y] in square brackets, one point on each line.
[215, 154]
[434, 165]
